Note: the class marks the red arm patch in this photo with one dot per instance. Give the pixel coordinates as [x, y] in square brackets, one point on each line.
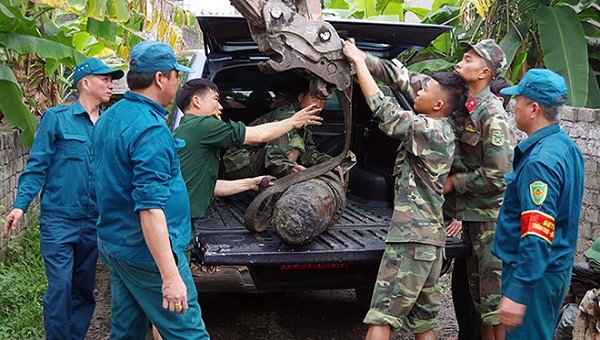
[535, 222]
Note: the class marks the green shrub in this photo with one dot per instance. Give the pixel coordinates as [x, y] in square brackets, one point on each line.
[22, 286]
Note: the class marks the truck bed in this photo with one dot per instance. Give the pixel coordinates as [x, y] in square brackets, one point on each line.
[358, 237]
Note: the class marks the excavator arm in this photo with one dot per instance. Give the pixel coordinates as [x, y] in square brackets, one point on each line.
[297, 38]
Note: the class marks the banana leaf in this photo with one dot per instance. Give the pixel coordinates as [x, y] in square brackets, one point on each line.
[565, 50]
[24, 44]
[439, 3]
[104, 29]
[420, 12]
[517, 65]
[72, 6]
[396, 9]
[431, 66]
[367, 7]
[12, 20]
[11, 104]
[444, 15]
[594, 90]
[510, 44]
[118, 10]
[337, 4]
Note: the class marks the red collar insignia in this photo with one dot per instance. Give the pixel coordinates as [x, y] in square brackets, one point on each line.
[471, 104]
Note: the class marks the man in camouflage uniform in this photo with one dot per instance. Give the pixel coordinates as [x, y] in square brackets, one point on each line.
[292, 152]
[485, 142]
[406, 293]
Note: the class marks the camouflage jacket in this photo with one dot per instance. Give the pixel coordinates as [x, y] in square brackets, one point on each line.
[424, 157]
[485, 140]
[272, 158]
[394, 74]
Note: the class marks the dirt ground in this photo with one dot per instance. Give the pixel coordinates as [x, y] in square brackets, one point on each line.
[298, 315]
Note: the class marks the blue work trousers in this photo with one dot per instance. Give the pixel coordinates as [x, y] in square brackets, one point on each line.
[136, 289]
[541, 315]
[69, 248]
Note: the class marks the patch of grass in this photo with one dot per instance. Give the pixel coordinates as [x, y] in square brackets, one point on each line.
[22, 286]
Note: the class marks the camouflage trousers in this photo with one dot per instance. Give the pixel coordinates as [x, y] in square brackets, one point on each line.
[483, 269]
[407, 293]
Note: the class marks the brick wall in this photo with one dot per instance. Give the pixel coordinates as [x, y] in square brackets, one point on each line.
[13, 158]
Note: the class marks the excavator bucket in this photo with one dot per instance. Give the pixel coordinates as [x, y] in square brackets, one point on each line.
[297, 38]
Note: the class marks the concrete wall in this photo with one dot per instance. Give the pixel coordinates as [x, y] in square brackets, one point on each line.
[13, 158]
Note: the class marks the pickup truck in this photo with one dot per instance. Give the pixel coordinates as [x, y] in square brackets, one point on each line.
[346, 255]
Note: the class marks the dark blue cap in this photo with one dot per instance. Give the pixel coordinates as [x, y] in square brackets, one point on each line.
[540, 85]
[95, 66]
[154, 56]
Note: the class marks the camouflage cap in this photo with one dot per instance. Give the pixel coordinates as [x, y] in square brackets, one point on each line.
[490, 52]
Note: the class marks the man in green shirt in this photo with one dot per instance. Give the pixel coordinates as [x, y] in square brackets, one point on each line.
[205, 134]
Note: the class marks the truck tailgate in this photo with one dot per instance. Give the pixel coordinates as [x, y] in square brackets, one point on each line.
[359, 236]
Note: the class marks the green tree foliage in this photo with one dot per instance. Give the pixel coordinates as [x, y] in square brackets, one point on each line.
[558, 34]
[41, 41]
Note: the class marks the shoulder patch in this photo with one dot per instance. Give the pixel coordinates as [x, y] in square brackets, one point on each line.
[498, 138]
[538, 191]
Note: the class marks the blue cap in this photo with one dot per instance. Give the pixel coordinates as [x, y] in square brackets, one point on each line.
[540, 85]
[154, 56]
[95, 66]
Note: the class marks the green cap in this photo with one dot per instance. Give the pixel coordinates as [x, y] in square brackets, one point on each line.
[594, 252]
[490, 52]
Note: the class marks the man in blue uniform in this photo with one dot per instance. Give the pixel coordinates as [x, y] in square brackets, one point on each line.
[59, 165]
[539, 219]
[144, 221]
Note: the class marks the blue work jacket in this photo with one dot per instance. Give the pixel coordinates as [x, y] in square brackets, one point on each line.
[59, 165]
[539, 219]
[136, 168]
